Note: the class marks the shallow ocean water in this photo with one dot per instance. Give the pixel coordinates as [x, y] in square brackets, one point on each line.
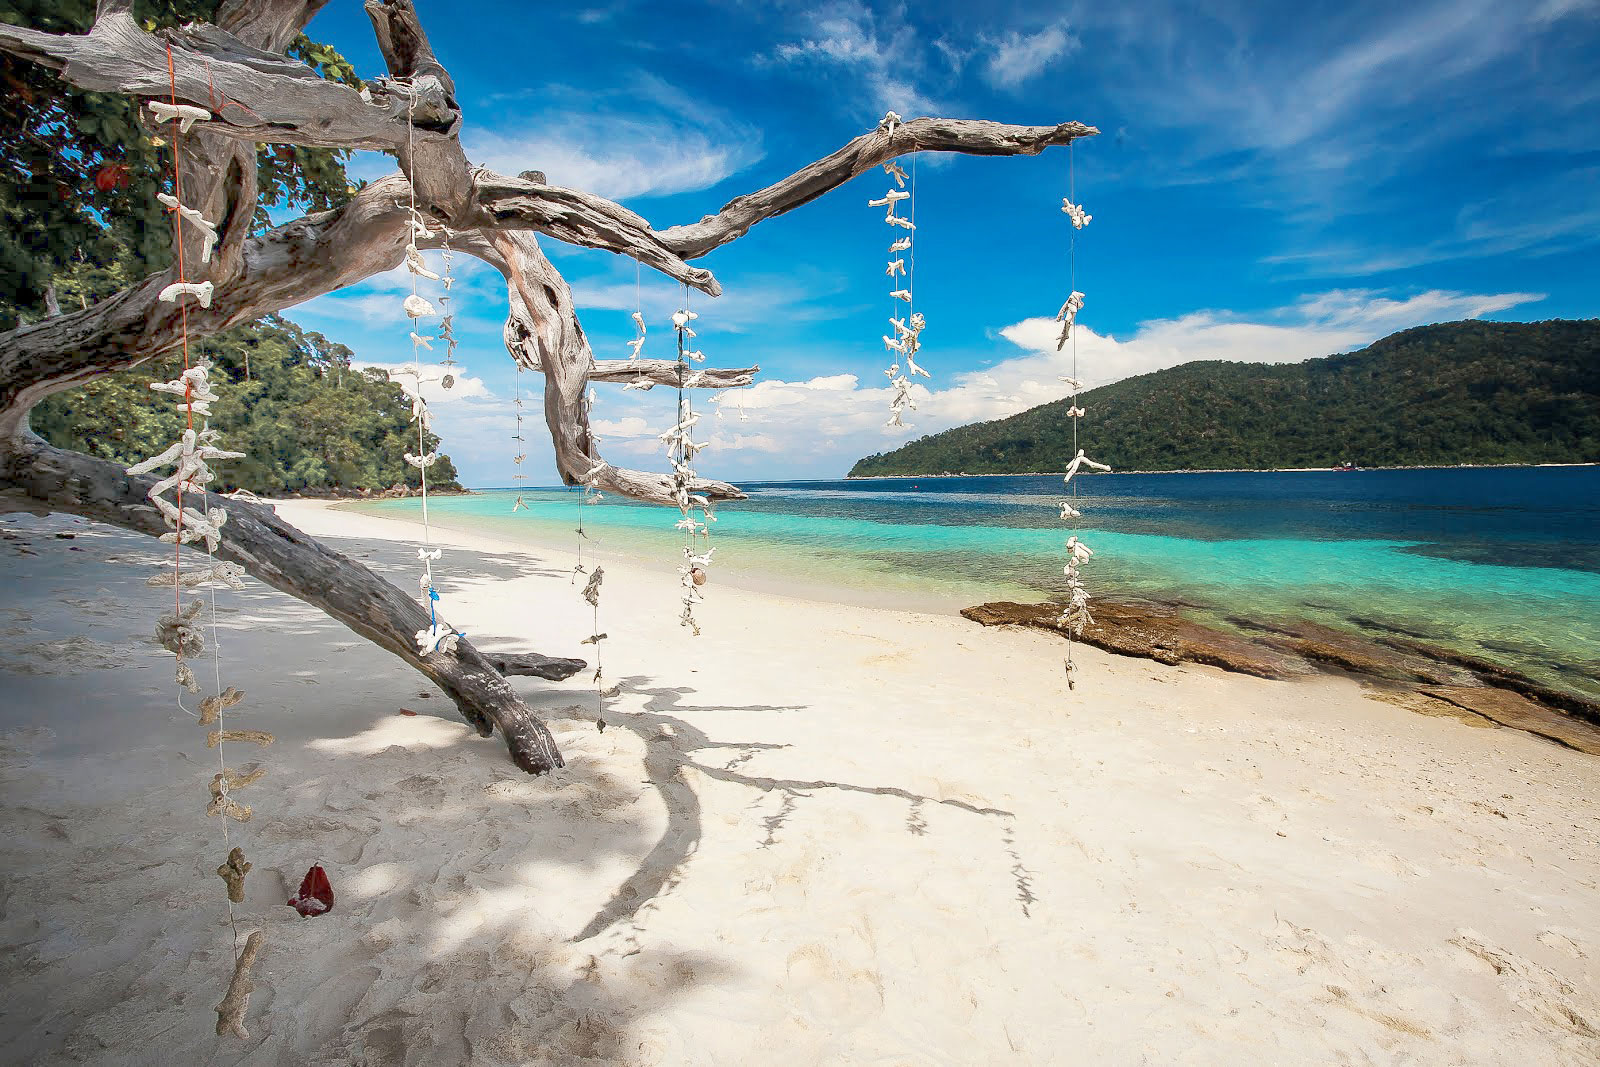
[1501, 562]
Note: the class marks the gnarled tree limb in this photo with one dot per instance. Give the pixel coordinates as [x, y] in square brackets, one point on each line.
[973, 137]
[579, 218]
[645, 373]
[286, 266]
[39, 477]
[273, 99]
[542, 333]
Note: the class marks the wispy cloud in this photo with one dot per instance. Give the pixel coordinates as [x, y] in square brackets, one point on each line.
[644, 137]
[1018, 57]
[463, 387]
[1351, 113]
[882, 50]
[760, 303]
[1542, 216]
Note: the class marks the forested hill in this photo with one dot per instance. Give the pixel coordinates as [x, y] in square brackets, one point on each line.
[289, 399]
[1455, 392]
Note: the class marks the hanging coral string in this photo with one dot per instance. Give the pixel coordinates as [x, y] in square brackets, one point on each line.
[516, 460]
[190, 458]
[438, 637]
[1075, 615]
[681, 450]
[906, 341]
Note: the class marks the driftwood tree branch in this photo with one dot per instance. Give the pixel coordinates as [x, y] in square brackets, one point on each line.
[579, 218]
[257, 95]
[542, 333]
[41, 478]
[285, 266]
[973, 137]
[646, 373]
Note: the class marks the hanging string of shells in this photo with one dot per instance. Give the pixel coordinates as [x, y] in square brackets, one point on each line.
[182, 633]
[907, 322]
[1075, 614]
[591, 588]
[681, 451]
[439, 636]
[520, 453]
[588, 493]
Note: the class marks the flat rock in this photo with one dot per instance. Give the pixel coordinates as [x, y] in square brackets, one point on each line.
[1356, 653]
[1503, 678]
[1520, 713]
[1149, 632]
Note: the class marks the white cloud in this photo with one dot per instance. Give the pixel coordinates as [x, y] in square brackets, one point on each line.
[1320, 325]
[820, 426]
[1017, 57]
[643, 138]
[616, 157]
[463, 387]
[883, 51]
[754, 305]
[624, 429]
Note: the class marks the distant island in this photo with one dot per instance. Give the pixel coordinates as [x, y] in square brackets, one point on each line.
[308, 422]
[1452, 393]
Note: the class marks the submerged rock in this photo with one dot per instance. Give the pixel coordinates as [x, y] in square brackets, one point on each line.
[1326, 646]
[1502, 677]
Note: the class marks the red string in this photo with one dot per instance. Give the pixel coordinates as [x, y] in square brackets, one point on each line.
[183, 311]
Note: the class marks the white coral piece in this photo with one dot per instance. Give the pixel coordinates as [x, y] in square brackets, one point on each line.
[201, 291]
[1075, 212]
[416, 265]
[185, 115]
[1068, 316]
[437, 638]
[194, 218]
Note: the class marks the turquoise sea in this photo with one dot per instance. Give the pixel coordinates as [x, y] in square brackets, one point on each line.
[1500, 562]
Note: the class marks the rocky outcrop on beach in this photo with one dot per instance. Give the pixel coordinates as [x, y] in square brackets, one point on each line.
[1411, 673]
[1149, 632]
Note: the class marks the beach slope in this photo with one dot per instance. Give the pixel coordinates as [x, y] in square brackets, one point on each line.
[817, 833]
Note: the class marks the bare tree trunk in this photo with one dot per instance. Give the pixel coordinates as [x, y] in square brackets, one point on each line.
[39, 478]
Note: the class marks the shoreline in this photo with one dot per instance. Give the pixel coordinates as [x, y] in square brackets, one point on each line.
[856, 835]
[1157, 628]
[1228, 470]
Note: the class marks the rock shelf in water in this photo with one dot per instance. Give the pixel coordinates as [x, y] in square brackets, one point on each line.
[1281, 650]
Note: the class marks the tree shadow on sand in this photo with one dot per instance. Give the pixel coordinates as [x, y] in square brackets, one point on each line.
[672, 744]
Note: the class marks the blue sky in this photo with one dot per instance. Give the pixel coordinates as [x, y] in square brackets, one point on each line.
[1272, 182]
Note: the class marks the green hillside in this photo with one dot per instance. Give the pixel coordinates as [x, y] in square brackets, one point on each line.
[306, 420]
[1455, 392]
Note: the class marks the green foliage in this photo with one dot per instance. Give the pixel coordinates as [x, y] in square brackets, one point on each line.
[79, 171]
[305, 419]
[1459, 392]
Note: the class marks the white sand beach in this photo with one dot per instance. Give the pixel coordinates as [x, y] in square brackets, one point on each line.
[817, 834]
